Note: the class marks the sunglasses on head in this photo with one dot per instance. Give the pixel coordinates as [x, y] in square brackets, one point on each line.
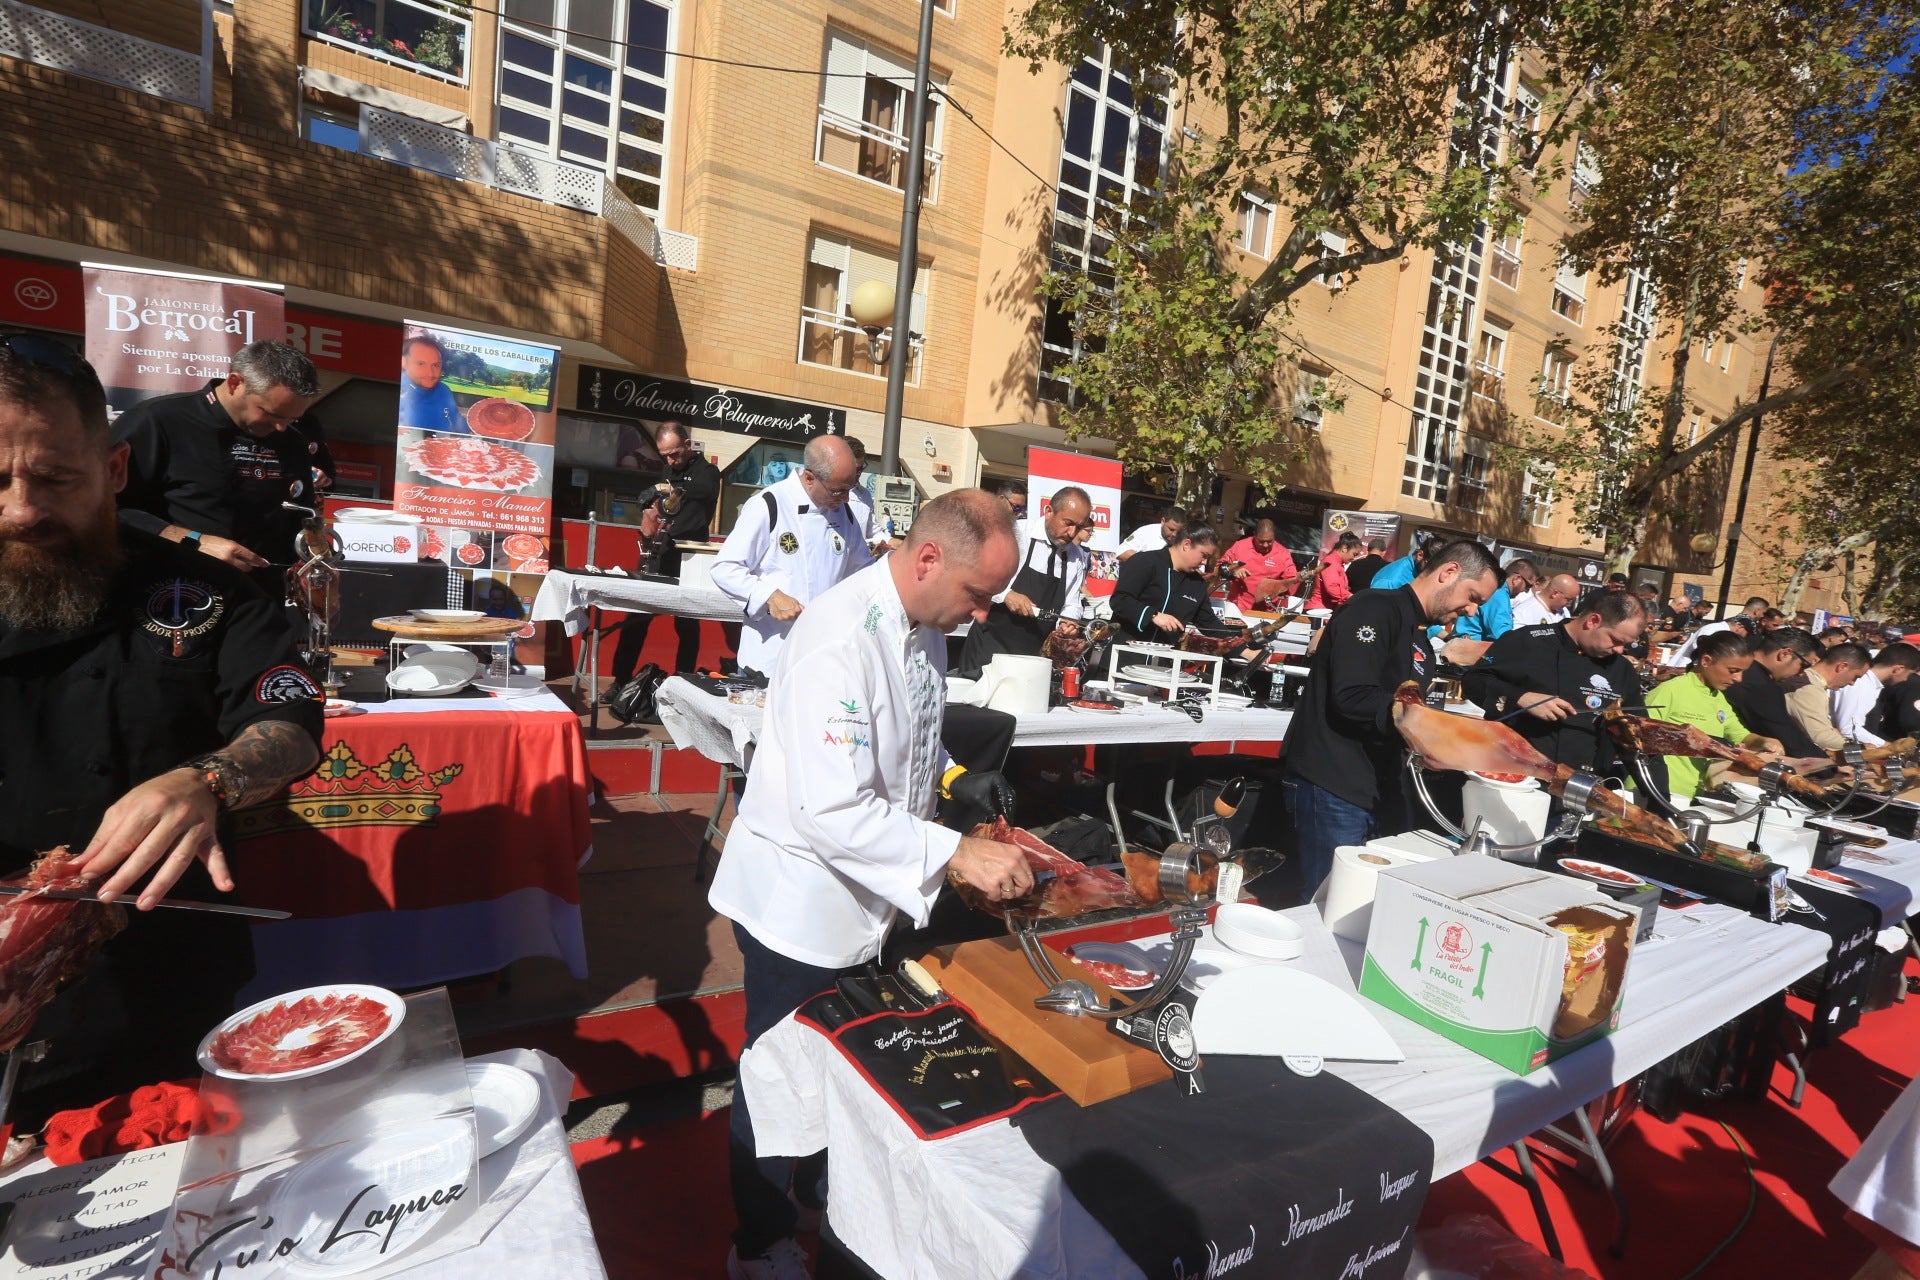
[31, 348]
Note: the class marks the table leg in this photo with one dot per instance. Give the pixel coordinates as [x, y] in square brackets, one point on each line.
[727, 774]
[1527, 1178]
[1587, 1143]
[592, 651]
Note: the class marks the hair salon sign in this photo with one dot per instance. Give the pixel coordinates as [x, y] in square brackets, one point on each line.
[697, 405]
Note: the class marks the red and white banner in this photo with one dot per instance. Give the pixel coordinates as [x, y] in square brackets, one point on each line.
[152, 333]
[1050, 470]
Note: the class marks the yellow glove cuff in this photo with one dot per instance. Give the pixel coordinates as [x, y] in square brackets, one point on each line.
[946, 780]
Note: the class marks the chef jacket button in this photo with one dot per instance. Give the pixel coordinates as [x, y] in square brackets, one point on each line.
[94, 673]
[97, 767]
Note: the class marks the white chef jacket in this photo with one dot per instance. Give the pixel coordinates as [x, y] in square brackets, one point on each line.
[1848, 708]
[860, 502]
[1040, 555]
[802, 552]
[1529, 612]
[1882, 1181]
[1683, 656]
[1146, 538]
[834, 836]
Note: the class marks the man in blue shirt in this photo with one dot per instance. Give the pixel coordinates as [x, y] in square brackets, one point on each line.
[1495, 618]
[1399, 573]
[425, 401]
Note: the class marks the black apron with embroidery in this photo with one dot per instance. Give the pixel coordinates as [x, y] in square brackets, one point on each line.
[1005, 631]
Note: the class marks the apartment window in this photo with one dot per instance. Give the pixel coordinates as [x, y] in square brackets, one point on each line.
[1556, 385]
[1309, 389]
[1570, 293]
[1740, 276]
[1505, 262]
[866, 98]
[426, 36]
[1693, 430]
[1113, 152]
[1333, 245]
[1536, 495]
[1726, 353]
[1586, 176]
[1526, 122]
[1476, 466]
[330, 128]
[1256, 225]
[1490, 362]
[828, 336]
[588, 82]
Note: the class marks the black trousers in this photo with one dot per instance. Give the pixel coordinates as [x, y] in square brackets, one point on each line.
[633, 638]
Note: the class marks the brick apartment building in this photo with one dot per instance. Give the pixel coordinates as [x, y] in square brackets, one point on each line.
[684, 194]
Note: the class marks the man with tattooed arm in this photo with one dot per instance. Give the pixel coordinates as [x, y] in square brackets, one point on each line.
[145, 690]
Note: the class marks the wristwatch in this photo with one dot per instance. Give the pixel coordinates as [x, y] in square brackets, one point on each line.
[191, 539]
[224, 778]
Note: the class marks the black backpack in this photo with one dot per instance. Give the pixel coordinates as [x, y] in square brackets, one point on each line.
[633, 701]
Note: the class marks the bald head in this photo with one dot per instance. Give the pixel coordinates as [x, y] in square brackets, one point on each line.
[957, 557]
[1264, 535]
[830, 470]
[1560, 591]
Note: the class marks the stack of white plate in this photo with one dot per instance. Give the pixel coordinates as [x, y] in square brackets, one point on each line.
[434, 670]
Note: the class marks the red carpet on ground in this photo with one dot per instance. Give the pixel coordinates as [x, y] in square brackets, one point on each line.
[658, 1196]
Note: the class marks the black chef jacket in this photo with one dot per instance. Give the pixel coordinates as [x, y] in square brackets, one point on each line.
[1544, 659]
[187, 654]
[1761, 704]
[699, 481]
[1360, 572]
[190, 465]
[1149, 584]
[1897, 713]
[1342, 738]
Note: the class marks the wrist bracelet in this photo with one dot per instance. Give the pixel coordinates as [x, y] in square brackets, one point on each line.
[946, 780]
[221, 776]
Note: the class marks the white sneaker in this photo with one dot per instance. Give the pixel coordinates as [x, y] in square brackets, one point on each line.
[783, 1260]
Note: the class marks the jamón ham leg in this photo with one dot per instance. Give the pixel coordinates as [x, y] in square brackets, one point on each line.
[1664, 738]
[1446, 741]
[1062, 887]
[45, 942]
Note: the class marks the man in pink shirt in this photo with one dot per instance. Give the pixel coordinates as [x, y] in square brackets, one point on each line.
[1330, 589]
[1265, 573]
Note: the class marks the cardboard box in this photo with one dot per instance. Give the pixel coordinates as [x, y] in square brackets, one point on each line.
[1478, 950]
[379, 543]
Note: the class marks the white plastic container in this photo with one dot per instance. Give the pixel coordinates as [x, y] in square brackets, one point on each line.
[1017, 684]
[696, 564]
[1510, 812]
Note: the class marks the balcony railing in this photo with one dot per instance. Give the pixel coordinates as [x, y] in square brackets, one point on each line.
[871, 152]
[83, 49]
[1554, 406]
[836, 341]
[406, 140]
[427, 36]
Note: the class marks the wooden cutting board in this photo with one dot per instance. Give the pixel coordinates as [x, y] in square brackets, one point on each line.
[408, 627]
[1082, 1056]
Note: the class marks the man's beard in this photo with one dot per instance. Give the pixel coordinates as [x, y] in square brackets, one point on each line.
[61, 587]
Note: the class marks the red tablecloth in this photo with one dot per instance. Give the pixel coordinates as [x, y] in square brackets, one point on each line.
[426, 847]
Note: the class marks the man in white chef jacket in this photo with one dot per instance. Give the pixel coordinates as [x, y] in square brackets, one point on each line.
[790, 542]
[835, 838]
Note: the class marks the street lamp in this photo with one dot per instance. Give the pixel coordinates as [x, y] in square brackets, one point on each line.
[872, 308]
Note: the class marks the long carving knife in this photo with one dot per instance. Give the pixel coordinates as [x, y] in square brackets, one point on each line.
[179, 904]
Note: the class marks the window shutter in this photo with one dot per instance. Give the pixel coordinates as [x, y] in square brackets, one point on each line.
[846, 67]
[1570, 280]
[919, 314]
[829, 252]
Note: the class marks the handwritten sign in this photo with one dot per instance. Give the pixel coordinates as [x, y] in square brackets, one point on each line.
[93, 1220]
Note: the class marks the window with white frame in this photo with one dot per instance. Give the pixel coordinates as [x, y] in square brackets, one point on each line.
[1706, 349]
[1570, 293]
[1526, 122]
[1256, 225]
[1504, 263]
[1740, 276]
[1586, 176]
[330, 128]
[1490, 361]
[866, 97]
[1693, 429]
[1112, 153]
[1333, 245]
[1726, 352]
[588, 82]
[1556, 384]
[426, 36]
[1309, 394]
[836, 267]
[1536, 495]
[1476, 468]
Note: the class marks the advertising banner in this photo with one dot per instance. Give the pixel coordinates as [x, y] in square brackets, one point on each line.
[1050, 470]
[475, 457]
[697, 405]
[151, 333]
[1364, 525]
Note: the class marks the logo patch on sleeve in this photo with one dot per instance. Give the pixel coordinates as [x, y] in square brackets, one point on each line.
[285, 684]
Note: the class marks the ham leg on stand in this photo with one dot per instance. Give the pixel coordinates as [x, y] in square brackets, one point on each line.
[1664, 738]
[1445, 741]
[44, 942]
[1061, 886]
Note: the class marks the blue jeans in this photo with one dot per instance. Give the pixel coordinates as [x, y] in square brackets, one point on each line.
[1322, 822]
[775, 987]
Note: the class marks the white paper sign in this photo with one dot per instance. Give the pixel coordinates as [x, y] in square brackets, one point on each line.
[96, 1220]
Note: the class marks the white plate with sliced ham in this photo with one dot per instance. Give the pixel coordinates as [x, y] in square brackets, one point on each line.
[302, 1033]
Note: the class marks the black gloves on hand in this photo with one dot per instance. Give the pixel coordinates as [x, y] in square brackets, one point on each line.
[976, 798]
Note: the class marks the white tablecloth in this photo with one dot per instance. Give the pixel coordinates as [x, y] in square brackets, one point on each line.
[542, 699]
[566, 597]
[545, 1236]
[721, 730]
[982, 1204]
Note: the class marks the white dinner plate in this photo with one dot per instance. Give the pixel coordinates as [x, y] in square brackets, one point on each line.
[415, 677]
[340, 707]
[396, 1013]
[390, 1166]
[505, 1101]
[1147, 673]
[447, 615]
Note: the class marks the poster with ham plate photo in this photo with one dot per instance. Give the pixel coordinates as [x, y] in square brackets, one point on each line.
[475, 449]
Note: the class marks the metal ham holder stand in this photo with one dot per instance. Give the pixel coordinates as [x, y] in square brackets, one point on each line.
[1574, 800]
[1773, 780]
[314, 580]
